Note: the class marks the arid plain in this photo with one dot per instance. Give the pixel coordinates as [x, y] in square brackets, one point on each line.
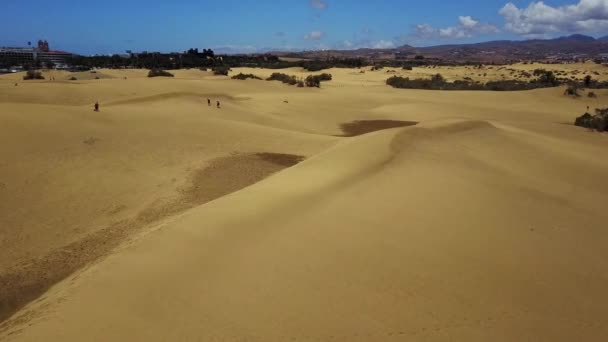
[273, 218]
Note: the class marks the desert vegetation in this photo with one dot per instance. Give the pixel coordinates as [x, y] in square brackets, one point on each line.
[241, 76]
[33, 75]
[159, 73]
[572, 90]
[438, 82]
[315, 80]
[287, 79]
[598, 122]
[589, 82]
[221, 70]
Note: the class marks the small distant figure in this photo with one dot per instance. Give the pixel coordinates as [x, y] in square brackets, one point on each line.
[209, 102]
[285, 101]
[97, 106]
[587, 109]
[218, 104]
[16, 84]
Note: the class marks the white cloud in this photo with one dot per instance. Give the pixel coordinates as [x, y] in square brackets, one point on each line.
[315, 35]
[467, 27]
[424, 31]
[468, 21]
[539, 19]
[453, 32]
[364, 44]
[318, 4]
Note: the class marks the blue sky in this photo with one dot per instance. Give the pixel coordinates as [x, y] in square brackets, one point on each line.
[113, 26]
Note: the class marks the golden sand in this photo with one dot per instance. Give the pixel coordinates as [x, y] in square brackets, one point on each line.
[160, 218]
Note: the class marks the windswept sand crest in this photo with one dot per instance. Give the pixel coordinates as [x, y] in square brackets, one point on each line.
[360, 127]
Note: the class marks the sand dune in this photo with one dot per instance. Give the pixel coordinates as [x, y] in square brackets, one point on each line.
[483, 221]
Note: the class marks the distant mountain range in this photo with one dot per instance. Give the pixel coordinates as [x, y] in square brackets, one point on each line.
[563, 48]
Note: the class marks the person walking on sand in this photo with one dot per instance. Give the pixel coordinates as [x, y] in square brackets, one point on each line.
[218, 104]
[97, 106]
[209, 102]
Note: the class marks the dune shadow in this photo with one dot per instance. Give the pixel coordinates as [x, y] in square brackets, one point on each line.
[360, 127]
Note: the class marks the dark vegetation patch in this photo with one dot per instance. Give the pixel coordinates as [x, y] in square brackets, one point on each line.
[33, 75]
[287, 79]
[206, 58]
[242, 76]
[598, 122]
[360, 127]
[315, 80]
[310, 81]
[572, 90]
[221, 70]
[159, 73]
[438, 82]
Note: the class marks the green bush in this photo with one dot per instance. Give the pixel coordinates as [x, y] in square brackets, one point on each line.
[277, 76]
[33, 75]
[242, 76]
[159, 73]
